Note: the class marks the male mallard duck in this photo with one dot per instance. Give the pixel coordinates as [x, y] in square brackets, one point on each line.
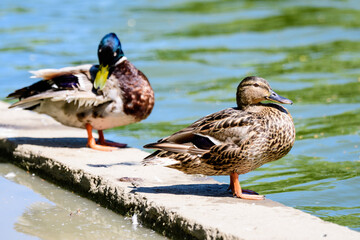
[232, 141]
[103, 96]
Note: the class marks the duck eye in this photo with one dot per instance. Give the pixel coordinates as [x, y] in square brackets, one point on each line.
[256, 85]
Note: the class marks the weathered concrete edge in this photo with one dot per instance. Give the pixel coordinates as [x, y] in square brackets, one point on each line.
[158, 218]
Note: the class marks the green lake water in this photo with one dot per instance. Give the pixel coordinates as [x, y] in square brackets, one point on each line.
[196, 52]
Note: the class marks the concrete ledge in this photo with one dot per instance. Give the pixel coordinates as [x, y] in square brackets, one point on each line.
[170, 202]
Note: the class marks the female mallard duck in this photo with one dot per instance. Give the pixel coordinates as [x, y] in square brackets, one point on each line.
[232, 141]
[103, 96]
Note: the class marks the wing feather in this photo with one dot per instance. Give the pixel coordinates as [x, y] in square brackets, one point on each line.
[50, 73]
[70, 84]
[218, 131]
[82, 98]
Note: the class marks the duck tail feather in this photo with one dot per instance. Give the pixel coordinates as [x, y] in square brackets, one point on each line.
[171, 147]
[156, 159]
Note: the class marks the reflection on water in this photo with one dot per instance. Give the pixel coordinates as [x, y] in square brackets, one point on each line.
[196, 52]
[45, 211]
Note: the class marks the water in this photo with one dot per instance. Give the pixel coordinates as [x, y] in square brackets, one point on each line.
[36, 209]
[196, 52]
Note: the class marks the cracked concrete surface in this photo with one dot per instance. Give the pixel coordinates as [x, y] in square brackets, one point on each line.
[170, 202]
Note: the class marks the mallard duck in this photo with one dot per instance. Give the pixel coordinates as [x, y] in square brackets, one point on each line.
[232, 141]
[113, 93]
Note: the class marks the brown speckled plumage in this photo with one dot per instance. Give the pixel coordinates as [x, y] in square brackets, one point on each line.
[234, 140]
[138, 95]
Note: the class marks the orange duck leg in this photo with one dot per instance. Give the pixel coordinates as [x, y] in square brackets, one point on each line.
[102, 141]
[101, 147]
[238, 192]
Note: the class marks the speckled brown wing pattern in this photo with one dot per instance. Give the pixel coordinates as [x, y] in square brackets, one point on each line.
[210, 125]
[266, 136]
[242, 140]
[229, 130]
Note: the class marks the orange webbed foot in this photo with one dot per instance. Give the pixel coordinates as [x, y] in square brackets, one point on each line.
[112, 144]
[92, 144]
[238, 192]
[102, 141]
[249, 196]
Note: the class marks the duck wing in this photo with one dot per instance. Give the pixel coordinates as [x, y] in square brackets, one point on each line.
[213, 145]
[51, 73]
[220, 128]
[65, 84]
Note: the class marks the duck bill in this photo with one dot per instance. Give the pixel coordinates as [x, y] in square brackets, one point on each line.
[277, 98]
[101, 77]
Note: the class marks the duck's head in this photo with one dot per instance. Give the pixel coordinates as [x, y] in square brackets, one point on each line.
[109, 52]
[253, 90]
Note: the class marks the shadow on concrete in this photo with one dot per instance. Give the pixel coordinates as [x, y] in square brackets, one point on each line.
[208, 190]
[112, 164]
[213, 190]
[51, 142]
[70, 142]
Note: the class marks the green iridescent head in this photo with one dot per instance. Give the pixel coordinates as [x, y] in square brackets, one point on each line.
[109, 52]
